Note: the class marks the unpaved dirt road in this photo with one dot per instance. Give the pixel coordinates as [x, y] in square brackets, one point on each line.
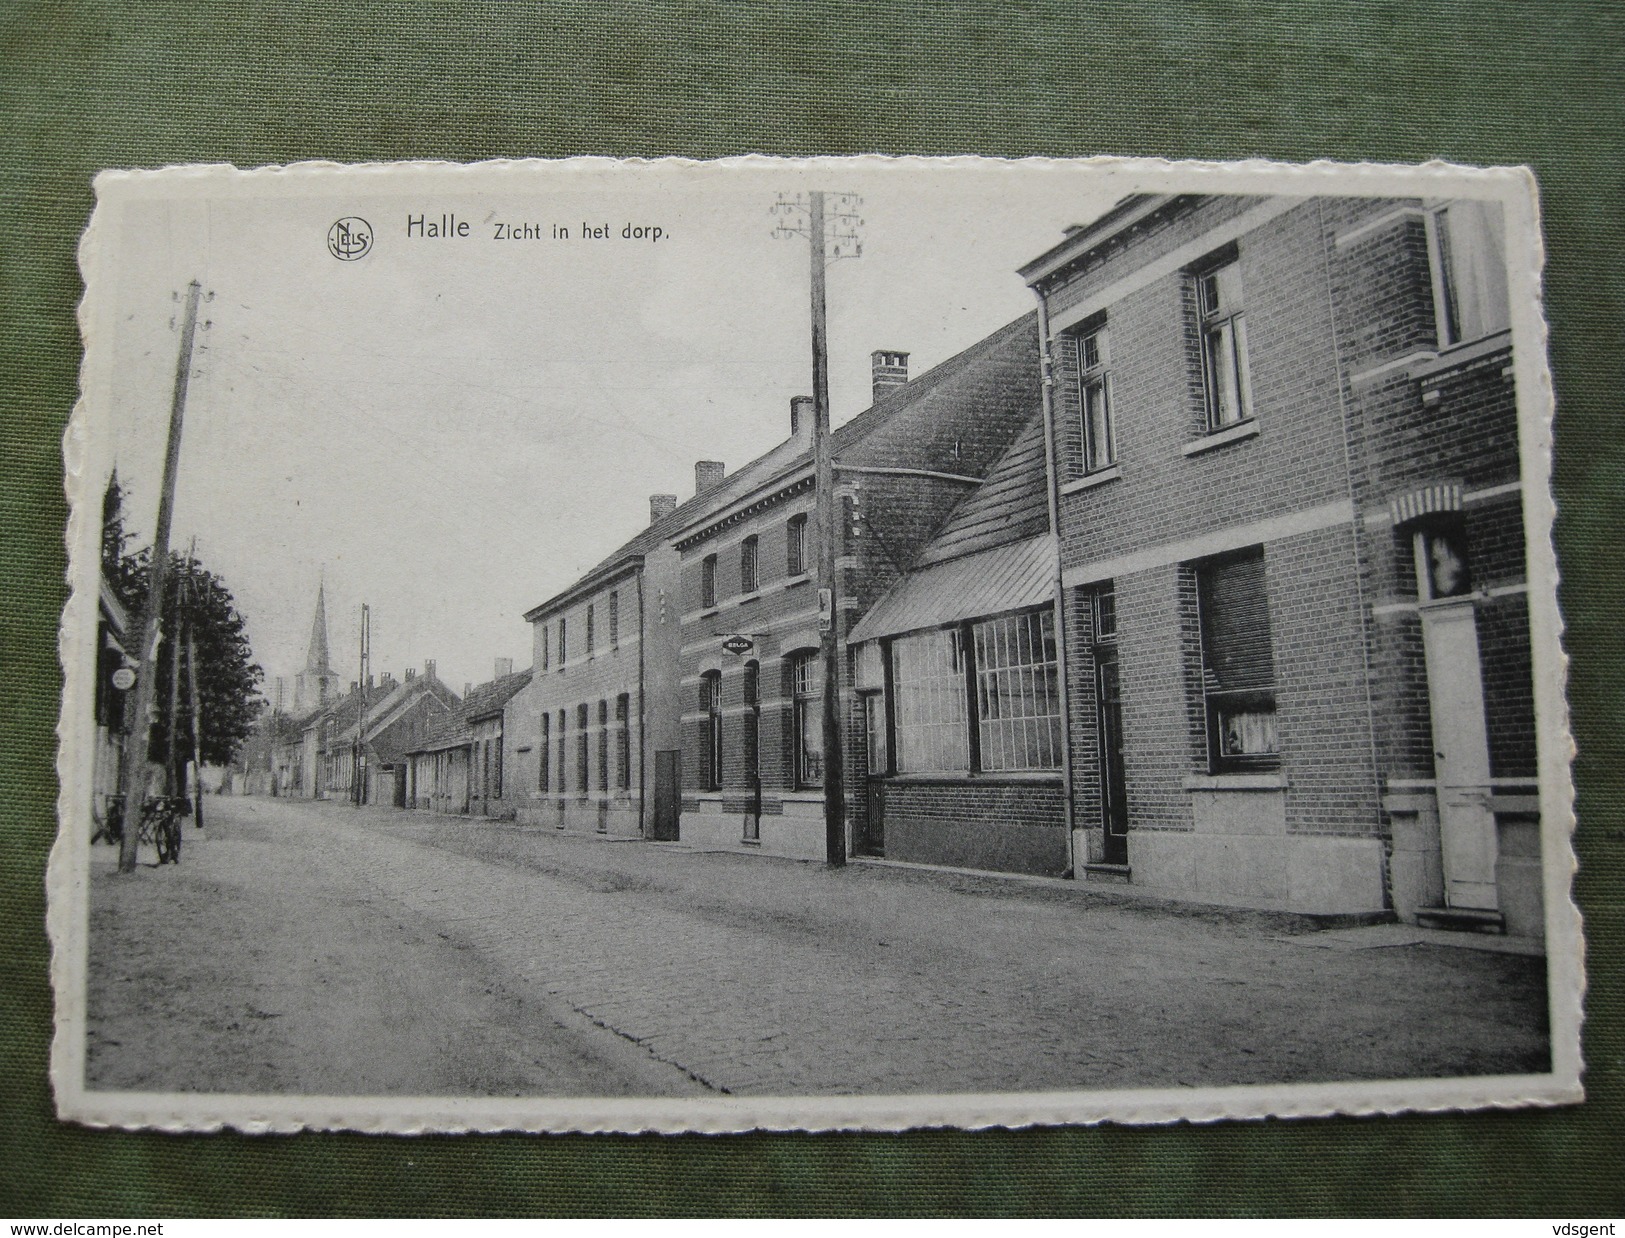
[321, 949]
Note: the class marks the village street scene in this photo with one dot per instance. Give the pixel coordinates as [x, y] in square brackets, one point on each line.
[1138, 694]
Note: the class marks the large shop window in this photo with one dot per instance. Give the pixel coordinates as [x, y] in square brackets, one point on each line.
[807, 683]
[928, 674]
[1469, 271]
[1017, 699]
[711, 703]
[1225, 384]
[1238, 669]
[1094, 399]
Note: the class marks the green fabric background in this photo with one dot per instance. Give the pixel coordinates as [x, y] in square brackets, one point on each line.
[90, 85]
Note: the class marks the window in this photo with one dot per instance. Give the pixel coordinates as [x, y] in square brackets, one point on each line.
[546, 647]
[496, 769]
[544, 747]
[614, 619]
[623, 742]
[590, 635]
[1103, 613]
[1094, 400]
[807, 692]
[874, 720]
[603, 745]
[564, 753]
[1238, 670]
[708, 582]
[711, 703]
[928, 678]
[1224, 346]
[583, 722]
[563, 646]
[795, 537]
[747, 565]
[1468, 260]
[1017, 699]
[1440, 546]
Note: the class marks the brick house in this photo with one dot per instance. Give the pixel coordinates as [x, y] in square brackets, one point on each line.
[372, 732]
[455, 762]
[750, 680]
[583, 734]
[1285, 446]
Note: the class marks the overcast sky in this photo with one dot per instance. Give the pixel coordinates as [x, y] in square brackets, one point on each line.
[453, 430]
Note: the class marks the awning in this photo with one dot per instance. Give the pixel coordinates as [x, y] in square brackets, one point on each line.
[990, 582]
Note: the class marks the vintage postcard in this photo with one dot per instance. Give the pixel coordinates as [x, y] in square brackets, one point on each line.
[845, 643]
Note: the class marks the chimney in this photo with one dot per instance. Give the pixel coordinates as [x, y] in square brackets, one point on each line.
[661, 505]
[504, 667]
[467, 688]
[890, 370]
[707, 473]
[428, 668]
[354, 687]
[801, 417]
[411, 673]
[386, 681]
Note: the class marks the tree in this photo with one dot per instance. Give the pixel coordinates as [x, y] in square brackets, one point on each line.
[197, 604]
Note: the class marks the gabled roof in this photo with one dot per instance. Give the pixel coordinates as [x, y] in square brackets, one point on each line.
[1010, 506]
[384, 710]
[454, 728]
[919, 425]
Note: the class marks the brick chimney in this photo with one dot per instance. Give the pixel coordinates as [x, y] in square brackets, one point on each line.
[467, 688]
[707, 473]
[890, 370]
[801, 417]
[504, 667]
[661, 505]
[411, 673]
[428, 668]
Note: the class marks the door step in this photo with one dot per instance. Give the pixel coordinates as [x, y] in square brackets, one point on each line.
[1462, 919]
[1116, 874]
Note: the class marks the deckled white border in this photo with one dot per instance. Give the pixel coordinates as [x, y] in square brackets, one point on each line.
[67, 877]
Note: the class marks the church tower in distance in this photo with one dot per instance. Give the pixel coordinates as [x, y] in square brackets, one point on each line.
[313, 686]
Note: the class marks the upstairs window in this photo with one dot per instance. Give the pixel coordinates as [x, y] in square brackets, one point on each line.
[1226, 389]
[795, 536]
[590, 635]
[564, 644]
[1238, 667]
[547, 646]
[708, 582]
[545, 747]
[615, 619]
[747, 565]
[1468, 259]
[1094, 399]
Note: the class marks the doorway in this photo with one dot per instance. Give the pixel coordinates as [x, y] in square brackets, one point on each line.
[668, 795]
[1113, 780]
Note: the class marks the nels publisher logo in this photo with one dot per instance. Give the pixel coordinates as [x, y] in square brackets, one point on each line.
[349, 238]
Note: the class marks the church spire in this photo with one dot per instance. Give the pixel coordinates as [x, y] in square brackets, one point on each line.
[316, 658]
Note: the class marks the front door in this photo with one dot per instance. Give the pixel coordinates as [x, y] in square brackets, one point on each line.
[668, 795]
[1461, 754]
[753, 759]
[1113, 782]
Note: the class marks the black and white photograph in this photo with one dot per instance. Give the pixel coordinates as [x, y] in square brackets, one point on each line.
[829, 644]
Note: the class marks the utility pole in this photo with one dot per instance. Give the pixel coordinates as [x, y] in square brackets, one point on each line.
[138, 705]
[359, 767]
[191, 679]
[825, 246]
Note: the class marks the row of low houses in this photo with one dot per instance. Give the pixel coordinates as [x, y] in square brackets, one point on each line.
[1205, 578]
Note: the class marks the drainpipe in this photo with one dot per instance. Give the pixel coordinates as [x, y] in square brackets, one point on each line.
[1053, 494]
[643, 722]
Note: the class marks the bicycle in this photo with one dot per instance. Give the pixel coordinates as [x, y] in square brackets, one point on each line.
[160, 824]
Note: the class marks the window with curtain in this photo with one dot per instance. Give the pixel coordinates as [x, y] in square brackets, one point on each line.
[1238, 667]
[1468, 257]
[1225, 382]
[931, 721]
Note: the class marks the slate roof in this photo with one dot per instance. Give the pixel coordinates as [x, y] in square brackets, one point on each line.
[990, 582]
[454, 729]
[1011, 505]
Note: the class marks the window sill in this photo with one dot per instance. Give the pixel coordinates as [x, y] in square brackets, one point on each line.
[1090, 480]
[1235, 782]
[800, 578]
[1222, 438]
[1458, 355]
[755, 595]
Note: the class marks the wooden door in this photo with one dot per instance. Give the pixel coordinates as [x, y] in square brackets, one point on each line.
[667, 825]
[1109, 730]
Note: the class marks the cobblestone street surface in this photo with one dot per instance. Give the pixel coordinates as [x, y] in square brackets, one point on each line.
[321, 949]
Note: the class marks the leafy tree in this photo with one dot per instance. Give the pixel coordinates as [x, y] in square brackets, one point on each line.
[196, 604]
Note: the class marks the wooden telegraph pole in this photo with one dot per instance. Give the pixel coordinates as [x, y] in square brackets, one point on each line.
[191, 680]
[845, 245]
[138, 704]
